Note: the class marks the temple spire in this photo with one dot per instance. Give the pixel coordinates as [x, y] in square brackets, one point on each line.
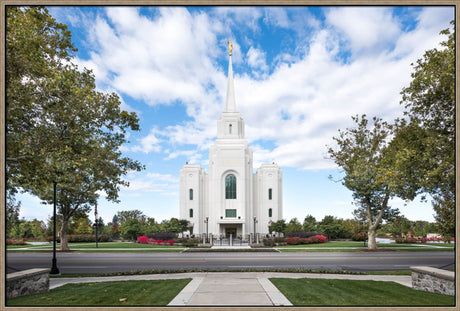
[230, 103]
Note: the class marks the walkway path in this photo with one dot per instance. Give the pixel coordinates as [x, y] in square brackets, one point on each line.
[231, 288]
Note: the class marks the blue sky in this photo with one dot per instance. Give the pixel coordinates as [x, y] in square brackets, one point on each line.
[300, 74]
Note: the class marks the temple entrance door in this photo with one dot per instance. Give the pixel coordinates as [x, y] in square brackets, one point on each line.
[231, 231]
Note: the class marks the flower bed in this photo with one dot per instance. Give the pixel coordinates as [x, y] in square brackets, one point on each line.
[311, 240]
[76, 238]
[144, 240]
[16, 241]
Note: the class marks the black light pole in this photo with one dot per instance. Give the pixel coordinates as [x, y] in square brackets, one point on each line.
[206, 221]
[255, 221]
[54, 268]
[95, 215]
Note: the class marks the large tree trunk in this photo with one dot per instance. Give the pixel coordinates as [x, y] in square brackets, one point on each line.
[64, 243]
[371, 242]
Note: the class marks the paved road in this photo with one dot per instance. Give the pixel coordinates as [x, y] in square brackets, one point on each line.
[117, 262]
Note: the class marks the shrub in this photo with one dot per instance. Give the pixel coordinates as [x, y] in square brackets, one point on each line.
[293, 241]
[77, 238]
[406, 240]
[280, 240]
[191, 242]
[302, 234]
[359, 237]
[19, 241]
[162, 236]
[143, 239]
[268, 242]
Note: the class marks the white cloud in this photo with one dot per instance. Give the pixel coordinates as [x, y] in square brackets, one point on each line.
[163, 177]
[364, 27]
[299, 106]
[256, 59]
[164, 184]
[276, 16]
[149, 143]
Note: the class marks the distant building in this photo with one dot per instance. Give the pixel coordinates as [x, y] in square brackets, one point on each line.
[231, 199]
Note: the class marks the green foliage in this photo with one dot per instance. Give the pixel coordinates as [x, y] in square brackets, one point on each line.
[310, 224]
[293, 226]
[278, 226]
[428, 140]
[59, 128]
[82, 226]
[401, 225]
[331, 227]
[124, 216]
[131, 229]
[367, 161]
[12, 214]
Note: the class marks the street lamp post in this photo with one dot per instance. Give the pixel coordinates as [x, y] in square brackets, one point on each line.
[255, 221]
[95, 215]
[206, 222]
[54, 268]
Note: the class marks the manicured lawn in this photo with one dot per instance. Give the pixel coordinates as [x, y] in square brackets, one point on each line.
[324, 292]
[137, 293]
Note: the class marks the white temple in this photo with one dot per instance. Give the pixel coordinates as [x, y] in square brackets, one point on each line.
[231, 199]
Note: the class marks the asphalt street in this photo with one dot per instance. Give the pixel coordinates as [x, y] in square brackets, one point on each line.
[75, 262]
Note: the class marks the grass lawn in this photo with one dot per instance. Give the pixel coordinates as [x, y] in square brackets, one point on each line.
[324, 292]
[135, 293]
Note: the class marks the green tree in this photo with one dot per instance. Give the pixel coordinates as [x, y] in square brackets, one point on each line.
[12, 214]
[330, 226]
[398, 226]
[124, 216]
[101, 228]
[131, 229]
[368, 165]
[293, 225]
[151, 226]
[59, 128]
[38, 229]
[428, 139]
[310, 224]
[278, 226]
[81, 225]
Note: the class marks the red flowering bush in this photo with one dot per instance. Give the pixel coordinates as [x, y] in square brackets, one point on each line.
[293, 241]
[20, 241]
[317, 239]
[142, 239]
[160, 242]
[311, 240]
[359, 237]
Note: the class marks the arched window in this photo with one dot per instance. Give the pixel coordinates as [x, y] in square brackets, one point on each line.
[230, 187]
[191, 194]
[230, 129]
[270, 193]
[270, 213]
[190, 211]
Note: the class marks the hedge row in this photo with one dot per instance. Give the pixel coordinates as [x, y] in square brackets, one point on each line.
[75, 238]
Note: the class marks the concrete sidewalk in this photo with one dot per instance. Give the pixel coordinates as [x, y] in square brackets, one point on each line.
[231, 288]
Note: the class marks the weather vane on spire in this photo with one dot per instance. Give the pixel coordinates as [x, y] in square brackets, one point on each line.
[230, 47]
